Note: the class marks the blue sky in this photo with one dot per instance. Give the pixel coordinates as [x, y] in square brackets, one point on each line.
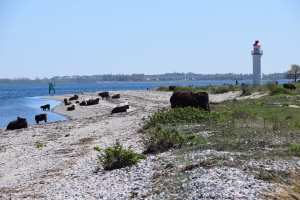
[74, 37]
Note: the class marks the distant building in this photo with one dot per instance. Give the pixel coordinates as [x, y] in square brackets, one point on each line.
[256, 54]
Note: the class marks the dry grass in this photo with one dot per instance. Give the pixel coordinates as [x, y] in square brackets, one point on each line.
[284, 191]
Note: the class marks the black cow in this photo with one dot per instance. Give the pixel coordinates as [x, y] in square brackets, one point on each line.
[289, 86]
[92, 101]
[67, 102]
[41, 117]
[120, 109]
[47, 106]
[71, 108]
[172, 87]
[104, 95]
[83, 103]
[193, 99]
[116, 96]
[74, 98]
[17, 124]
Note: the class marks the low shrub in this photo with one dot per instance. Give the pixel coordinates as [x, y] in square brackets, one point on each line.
[162, 88]
[186, 115]
[116, 157]
[162, 140]
[246, 90]
[187, 89]
[281, 90]
[295, 149]
[271, 86]
[39, 144]
[223, 89]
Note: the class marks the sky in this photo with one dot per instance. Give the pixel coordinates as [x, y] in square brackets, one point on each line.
[41, 39]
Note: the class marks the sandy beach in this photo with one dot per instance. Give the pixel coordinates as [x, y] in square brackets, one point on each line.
[64, 168]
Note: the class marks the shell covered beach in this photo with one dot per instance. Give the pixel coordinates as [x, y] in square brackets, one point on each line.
[65, 167]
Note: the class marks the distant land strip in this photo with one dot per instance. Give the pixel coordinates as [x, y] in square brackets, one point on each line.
[138, 78]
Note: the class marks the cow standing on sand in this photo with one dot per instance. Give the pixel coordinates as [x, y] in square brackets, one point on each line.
[104, 95]
[193, 99]
[41, 117]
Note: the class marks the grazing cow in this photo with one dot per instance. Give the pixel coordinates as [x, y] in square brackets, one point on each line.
[172, 87]
[120, 109]
[74, 98]
[116, 96]
[193, 99]
[67, 102]
[47, 106]
[41, 117]
[289, 86]
[104, 95]
[92, 101]
[17, 124]
[71, 108]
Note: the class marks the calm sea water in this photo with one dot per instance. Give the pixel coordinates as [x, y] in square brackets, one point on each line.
[25, 100]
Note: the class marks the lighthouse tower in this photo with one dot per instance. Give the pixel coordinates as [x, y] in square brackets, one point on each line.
[257, 53]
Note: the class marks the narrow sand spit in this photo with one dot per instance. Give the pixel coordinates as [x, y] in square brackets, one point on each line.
[64, 167]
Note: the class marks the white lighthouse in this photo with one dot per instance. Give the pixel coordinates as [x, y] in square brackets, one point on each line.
[257, 53]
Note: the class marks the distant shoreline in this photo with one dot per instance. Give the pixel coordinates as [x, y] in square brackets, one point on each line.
[166, 81]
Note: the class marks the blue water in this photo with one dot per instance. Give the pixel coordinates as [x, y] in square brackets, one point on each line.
[24, 100]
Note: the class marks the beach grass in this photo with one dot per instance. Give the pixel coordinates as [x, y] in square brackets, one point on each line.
[265, 128]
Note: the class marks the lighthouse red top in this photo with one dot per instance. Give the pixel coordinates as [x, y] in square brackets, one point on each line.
[256, 43]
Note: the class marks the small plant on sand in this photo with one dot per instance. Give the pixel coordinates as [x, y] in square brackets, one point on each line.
[39, 144]
[116, 157]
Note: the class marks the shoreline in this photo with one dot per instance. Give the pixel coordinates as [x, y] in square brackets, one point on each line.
[65, 166]
[66, 147]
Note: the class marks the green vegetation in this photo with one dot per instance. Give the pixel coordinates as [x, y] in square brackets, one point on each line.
[137, 77]
[39, 144]
[116, 157]
[224, 89]
[293, 73]
[258, 129]
[219, 89]
[281, 90]
[162, 140]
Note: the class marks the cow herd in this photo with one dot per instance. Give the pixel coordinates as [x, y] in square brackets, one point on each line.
[178, 99]
[92, 101]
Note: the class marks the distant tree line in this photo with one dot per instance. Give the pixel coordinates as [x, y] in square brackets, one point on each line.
[123, 77]
[291, 74]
